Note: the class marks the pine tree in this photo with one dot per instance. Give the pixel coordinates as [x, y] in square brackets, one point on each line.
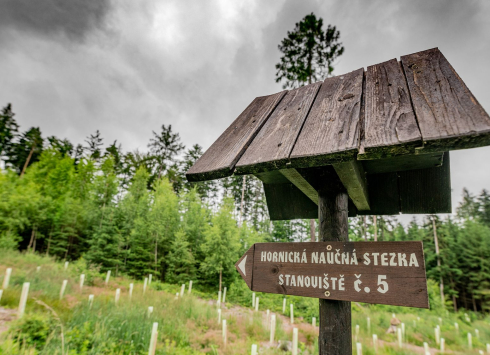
[94, 144]
[164, 147]
[221, 245]
[26, 151]
[181, 262]
[8, 132]
[308, 52]
[163, 223]
[134, 226]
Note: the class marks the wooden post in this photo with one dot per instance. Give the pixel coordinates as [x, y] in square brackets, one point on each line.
[273, 329]
[153, 339]
[295, 341]
[108, 276]
[63, 288]
[6, 279]
[82, 279]
[335, 316]
[190, 288]
[224, 331]
[23, 299]
[436, 242]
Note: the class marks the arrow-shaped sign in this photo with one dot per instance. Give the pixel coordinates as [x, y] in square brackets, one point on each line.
[373, 272]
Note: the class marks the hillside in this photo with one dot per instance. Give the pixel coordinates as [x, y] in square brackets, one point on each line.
[189, 324]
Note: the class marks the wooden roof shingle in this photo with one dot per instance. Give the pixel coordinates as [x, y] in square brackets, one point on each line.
[418, 106]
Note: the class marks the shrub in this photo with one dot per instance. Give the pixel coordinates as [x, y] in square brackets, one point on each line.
[32, 329]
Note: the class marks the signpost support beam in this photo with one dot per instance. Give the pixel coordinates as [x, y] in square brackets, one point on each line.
[335, 316]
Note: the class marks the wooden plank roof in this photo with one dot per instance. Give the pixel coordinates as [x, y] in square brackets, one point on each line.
[413, 107]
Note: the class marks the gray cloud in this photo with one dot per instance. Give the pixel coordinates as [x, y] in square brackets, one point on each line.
[197, 65]
[72, 18]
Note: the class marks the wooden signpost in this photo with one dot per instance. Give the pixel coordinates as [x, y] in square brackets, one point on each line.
[374, 272]
[372, 142]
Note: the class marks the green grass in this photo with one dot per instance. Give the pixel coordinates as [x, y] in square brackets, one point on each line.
[188, 325]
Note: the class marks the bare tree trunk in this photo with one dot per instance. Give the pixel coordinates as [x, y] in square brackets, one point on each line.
[33, 233]
[49, 242]
[436, 242]
[312, 230]
[156, 254]
[375, 221]
[70, 241]
[241, 202]
[474, 303]
[364, 227]
[220, 277]
[455, 305]
[28, 159]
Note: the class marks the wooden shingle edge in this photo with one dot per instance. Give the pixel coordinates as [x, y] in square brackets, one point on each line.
[220, 159]
[390, 126]
[448, 114]
[273, 144]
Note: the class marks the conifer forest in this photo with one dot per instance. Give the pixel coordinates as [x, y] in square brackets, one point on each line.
[134, 213]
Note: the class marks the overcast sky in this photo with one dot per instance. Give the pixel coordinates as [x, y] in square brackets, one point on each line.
[126, 67]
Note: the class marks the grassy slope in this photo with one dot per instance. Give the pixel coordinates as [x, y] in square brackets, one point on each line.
[188, 325]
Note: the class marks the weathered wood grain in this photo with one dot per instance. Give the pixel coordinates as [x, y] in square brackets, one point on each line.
[405, 278]
[390, 127]
[352, 175]
[448, 114]
[335, 316]
[271, 147]
[426, 190]
[403, 163]
[331, 130]
[384, 196]
[286, 202]
[300, 182]
[219, 160]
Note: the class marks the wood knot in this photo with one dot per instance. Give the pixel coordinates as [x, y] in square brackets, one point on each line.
[274, 269]
[346, 97]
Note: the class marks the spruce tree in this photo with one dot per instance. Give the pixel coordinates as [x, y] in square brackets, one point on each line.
[221, 245]
[181, 262]
[308, 53]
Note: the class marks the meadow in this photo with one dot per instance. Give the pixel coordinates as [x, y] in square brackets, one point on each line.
[188, 324]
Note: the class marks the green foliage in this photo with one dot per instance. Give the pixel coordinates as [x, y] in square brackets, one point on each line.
[32, 330]
[181, 262]
[308, 52]
[221, 243]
